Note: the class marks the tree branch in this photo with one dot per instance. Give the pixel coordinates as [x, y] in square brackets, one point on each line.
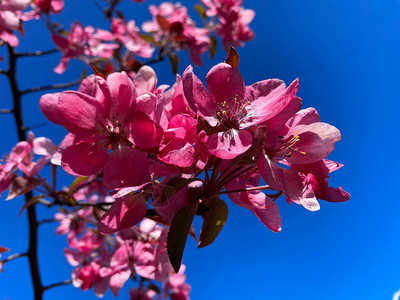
[32, 221]
[65, 282]
[51, 87]
[13, 256]
[37, 53]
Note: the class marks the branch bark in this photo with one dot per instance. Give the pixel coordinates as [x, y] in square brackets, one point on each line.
[32, 219]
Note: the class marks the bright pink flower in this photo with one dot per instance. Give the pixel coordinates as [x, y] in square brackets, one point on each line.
[233, 21]
[128, 35]
[259, 203]
[176, 287]
[171, 23]
[83, 43]
[302, 140]
[54, 6]
[106, 127]
[315, 184]
[10, 19]
[231, 108]
[88, 276]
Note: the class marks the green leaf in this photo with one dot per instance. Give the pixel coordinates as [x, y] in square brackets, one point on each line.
[147, 37]
[213, 46]
[232, 58]
[174, 60]
[214, 220]
[202, 12]
[73, 186]
[178, 233]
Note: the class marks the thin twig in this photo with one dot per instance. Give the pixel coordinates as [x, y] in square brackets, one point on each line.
[14, 256]
[6, 111]
[51, 87]
[65, 282]
[257, 188]
[45, 221]
[37, 53]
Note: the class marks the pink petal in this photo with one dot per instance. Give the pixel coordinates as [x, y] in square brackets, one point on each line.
[304, 117]
[145, 133]
[48, 104]
[198, 98]
[225, 82]
[122, 93]
[44, 146]
[118, 280]
[268, 98]
[229, 144]
[270, 217]
[83, 159]
[145, 80]
[126, 167]
[78, 112]
[317, 140]
[124, 213]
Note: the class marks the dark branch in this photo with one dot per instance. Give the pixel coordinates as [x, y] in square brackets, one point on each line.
[13, 256]
[32, 221]
[65, 282]
[51, 87]
[37, 53]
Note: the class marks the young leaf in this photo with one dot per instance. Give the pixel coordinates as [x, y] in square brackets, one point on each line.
[214, 220]
[232, 58]
[213, 46]
[163, 22]
[174, 60]
[73, 187]
[202, 12]
[22, 185]
[177, 234]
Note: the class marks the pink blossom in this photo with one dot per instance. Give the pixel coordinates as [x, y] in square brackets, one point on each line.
[10, 19]
[233, 21]
[88, 276]
[303, 139]
[259, 203]
[231, 108]
[54, 6]
[106, 127]
[83, 43]
[128, 35]
[175, 285]
[171, 23]
[315, 184]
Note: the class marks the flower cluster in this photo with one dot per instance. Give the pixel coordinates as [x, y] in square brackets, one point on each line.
[11, 19]
[100, 262]
[180, 148]
[233, 21]
[21, 158]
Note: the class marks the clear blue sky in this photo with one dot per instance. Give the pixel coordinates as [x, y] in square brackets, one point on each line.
[346, 54]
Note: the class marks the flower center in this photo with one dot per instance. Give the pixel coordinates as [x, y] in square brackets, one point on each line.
[113, 133]
[231, 112]
[286, 147]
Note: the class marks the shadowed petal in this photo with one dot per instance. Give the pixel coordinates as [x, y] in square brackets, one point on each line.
[229, 144]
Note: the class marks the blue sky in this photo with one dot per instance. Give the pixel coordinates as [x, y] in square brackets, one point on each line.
[346, 54]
